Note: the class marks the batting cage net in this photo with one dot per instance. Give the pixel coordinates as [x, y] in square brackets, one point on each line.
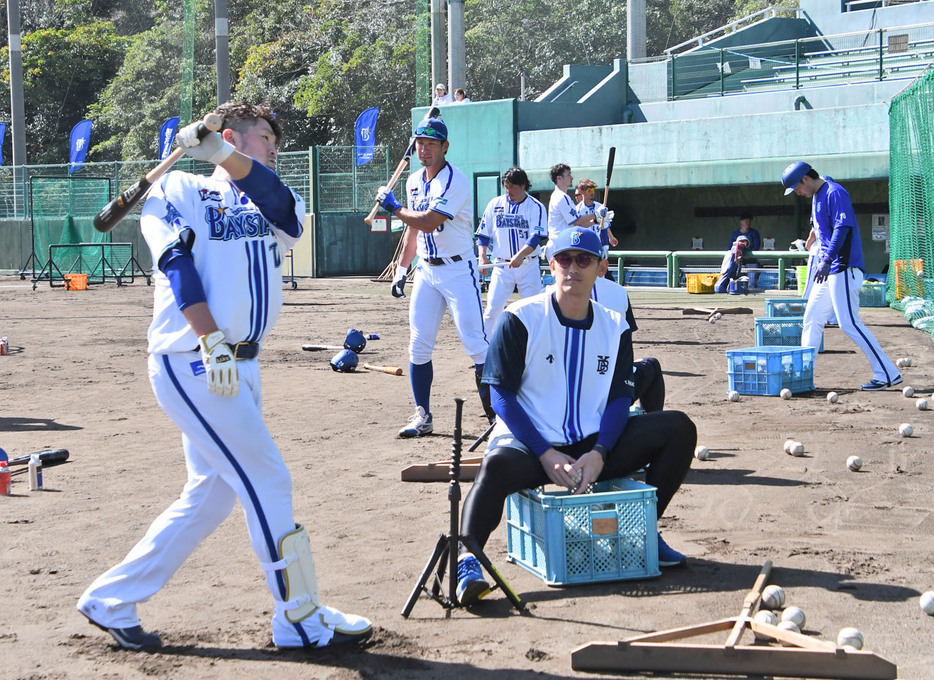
[344, 186]
[910, 281]
[63, 210]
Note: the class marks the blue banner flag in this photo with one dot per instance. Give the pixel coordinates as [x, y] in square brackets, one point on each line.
[80, 137]
[167, 136]
[365, 135]
[2, 138]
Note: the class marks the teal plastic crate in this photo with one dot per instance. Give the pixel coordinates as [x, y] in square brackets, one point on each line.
[785, 306]
[782, 331]
[768, 370]
[872, 295]
[607, 535]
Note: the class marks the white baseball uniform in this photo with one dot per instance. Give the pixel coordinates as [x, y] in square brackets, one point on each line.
[509, 226]
[561, 213]
[446, 276]
[584, 209]
[229, 452]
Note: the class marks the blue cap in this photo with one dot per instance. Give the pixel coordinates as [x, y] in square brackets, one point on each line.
[576, 238]
[432, 128]
[793, 174]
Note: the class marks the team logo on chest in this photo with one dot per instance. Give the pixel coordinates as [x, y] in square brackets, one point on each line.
[603, 364]
[226, 223]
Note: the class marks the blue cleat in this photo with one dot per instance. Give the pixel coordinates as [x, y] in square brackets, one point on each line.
[471, 586]
[669, 557]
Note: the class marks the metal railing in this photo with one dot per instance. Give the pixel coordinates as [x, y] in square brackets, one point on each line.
[732, 27]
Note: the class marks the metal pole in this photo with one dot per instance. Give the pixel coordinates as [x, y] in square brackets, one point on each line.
[222, 51]
[522, 87]
[437, 46]
[457, 59]
[17, 109]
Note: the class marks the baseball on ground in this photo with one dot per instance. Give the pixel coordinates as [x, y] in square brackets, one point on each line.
[712, 319]
[790, 626]
[765, 616]
[785, 393]
[904, 362]
[718, 316]
[773, 597]
[850, 637]
[927, 602]
[733, 395]
[702, 453]
[909, 391]
[788, 443]
[905, 429]
[796, 449]
[854, 463]
[832, 397]
[795, 615]
[922, 404]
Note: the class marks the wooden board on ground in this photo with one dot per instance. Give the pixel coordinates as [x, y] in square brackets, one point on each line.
[440, 471]
[803, 657]
[707, 311]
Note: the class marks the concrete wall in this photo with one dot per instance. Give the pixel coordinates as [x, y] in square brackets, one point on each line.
[829, 16]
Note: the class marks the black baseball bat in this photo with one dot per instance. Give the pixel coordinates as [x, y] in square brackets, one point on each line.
[611, 158]
[49, 457]
[110, 216]
[433, 113]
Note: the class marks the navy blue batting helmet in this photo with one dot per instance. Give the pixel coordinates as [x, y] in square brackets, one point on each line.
[355, 340]
[344, 361]
[793, 174]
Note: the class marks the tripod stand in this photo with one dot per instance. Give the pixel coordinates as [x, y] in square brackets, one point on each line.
[445, 553]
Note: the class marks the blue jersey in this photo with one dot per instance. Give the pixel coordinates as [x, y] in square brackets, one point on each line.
[755, 241]
[834, 222]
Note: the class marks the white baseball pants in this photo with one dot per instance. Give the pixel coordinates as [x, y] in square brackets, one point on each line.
[503, 280]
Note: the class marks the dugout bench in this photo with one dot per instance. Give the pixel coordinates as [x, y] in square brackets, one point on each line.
[100, 262]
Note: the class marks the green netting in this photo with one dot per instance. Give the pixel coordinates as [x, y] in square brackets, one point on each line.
[910, 284]
[345, 187]
[63, 210]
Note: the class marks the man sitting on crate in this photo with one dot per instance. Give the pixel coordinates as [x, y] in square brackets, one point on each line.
[732, 266]
[559, 369]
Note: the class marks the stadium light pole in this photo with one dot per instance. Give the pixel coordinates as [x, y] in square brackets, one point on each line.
[457, 60]
[17, 109]
[437, 45]
[222, 51]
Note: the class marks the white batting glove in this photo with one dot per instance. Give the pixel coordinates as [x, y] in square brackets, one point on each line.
[220, 364]
[381, 194]
[601, 213]
[211, 148]
[398, 281]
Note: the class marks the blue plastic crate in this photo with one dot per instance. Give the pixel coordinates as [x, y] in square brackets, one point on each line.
[607, 535]
[646, 276]
[768, 279]
[782, 331]
[785, 306]
[872, 295]
[767, 370]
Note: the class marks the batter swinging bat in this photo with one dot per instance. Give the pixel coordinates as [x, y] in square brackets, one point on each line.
[391, 370]
[611, 158]
[112, 213]
[320, 348]
[433, 113]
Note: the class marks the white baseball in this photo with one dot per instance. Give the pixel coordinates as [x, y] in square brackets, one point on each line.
[788, 443]
[795, 615]
[712, 319]
[832, 397]
[909, 391]
[922, 404]
[733, 395]
[796, 449]
[789, 626]
[854, 463]
[773, 597]
[718, 316]
[765, 616]
[904, 362]
[850, 637]
[927, 602]
[905, 429]
[785, 394]
[701, 453]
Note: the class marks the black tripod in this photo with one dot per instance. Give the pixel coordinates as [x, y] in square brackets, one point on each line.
[445, 554]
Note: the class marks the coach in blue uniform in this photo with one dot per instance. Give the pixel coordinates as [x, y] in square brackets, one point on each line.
[560, 374]
[838, 275]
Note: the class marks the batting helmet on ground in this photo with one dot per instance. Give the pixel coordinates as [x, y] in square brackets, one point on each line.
[355, 340]
[344, 361]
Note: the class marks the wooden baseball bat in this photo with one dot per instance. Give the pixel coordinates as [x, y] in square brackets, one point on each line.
[320, 348]
[611, 158]
[391, 370]
[433, 113]
[48, 457]
[112, 213]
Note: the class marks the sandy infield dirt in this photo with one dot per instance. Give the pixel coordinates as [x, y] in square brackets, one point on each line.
[850, 549]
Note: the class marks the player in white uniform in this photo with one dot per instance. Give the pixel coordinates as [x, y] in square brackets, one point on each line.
[218, 244]
[588, 206]
[559, 369]
[439, 227]
[561, 212]
[513, 227]
[838, 275]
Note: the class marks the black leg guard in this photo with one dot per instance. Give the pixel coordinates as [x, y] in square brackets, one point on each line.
[484, 390]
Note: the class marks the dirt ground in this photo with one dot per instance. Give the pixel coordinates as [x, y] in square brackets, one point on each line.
[850, 549]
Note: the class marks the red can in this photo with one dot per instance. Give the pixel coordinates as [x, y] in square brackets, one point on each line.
[4, 479]
[4, 346]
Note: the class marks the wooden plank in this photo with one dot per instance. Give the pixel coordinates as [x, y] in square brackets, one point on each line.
[750, 604]
[441, 471]
[722, 310]
[685, 631]
[623, 657]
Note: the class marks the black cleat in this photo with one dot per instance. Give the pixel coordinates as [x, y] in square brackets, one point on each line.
[135, 639]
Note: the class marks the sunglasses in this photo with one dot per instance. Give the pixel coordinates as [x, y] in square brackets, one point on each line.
[583, 260]
[427, 132]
